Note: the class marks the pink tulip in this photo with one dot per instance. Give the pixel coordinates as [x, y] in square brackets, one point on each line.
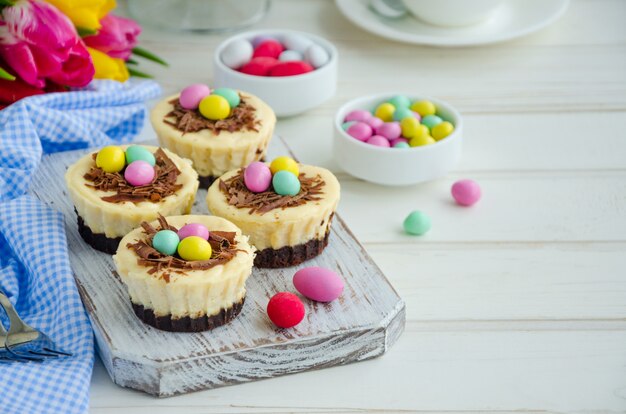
[116, 38]
[40, 43]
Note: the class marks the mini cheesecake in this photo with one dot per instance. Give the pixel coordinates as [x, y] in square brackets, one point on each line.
[215, 147]
[173, 294]
[286, 230]
[108, 207]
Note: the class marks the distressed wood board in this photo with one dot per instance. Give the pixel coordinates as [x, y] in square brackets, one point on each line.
[362, 324]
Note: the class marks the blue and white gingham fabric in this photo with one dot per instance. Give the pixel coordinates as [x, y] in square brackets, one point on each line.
[34, 264]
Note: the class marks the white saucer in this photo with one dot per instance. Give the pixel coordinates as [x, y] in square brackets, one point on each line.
[515, 18]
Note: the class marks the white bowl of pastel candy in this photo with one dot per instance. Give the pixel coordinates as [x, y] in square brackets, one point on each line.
[395, 139]
[292, 71]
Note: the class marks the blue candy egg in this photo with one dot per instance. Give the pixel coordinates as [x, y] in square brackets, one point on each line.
[399, 101]
[286, 183]
[403, 112]
[230, 95]
[431, 120]
[166, 242]
[139, 153]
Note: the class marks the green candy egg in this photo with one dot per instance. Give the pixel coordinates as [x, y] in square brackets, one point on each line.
[431, 120]
[166, 242]
[400, 101]
[401, 113]
[138, 153]
[347, 125]
[401, 145]
[230, 95]
[416, 223]
[286, 183]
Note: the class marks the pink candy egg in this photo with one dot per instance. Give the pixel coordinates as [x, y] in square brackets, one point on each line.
[416, 116]
[193, 229]
[379, 141]
[191, 96]
[395, 141]
[291, 68]
[466, 192]
[374, 122]
[139, 173]
[358, 115]
[257, 177]
[259, 66]
[389, 130]
[318, 284]
[360, 131]
[268, 48]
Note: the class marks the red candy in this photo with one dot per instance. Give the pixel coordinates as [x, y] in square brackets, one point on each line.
[259, 66]
[268, 48]
[285, 310]
[291, 68]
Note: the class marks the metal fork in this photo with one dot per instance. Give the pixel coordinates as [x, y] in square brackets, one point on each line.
[26, 342]
[5, 355]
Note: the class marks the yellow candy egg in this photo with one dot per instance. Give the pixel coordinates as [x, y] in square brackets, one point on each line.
[111, 159]
[442, 130]
[284, 163]
[385, 111]
[424, 108]
[214, 107]
[409, 127]
[421, 140]
[421, 131]
[194, 248]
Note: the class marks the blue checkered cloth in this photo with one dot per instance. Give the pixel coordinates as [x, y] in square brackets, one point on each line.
[34, 265]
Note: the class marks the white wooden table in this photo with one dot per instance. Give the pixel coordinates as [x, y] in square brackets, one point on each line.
[515, 305]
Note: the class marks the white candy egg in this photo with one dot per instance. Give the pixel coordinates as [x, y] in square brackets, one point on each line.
[289, 55]
[316, 55]
[296, 42]
[237, 53]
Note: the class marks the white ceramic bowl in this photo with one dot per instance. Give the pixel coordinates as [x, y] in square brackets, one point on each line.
[287, 95]
[397, 166]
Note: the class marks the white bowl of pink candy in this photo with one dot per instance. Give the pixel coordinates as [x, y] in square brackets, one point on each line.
[397, 139]
[292, 71]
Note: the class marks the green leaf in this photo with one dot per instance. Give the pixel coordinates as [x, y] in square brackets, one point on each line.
[134, 72]
[139, 51]
[83, 31]
[4, 3]
[131, 62]
[6, 75]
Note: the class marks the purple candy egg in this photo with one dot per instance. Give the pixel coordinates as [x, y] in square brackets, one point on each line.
[389, 130]
[318, 284]
[358, 115]
[191, 96]
[379, 141]
[193, 229]
[139, 173]
[374, 122]
[397, 140]
[360, 131]
[257, 177]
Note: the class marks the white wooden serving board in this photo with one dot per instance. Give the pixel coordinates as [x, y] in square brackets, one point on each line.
[363, 323]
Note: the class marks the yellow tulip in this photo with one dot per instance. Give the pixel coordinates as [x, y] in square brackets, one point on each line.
[108, 67]
[85, 14]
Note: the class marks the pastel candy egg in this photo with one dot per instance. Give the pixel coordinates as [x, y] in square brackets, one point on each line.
[393, 142]
[289, 55]
[297, 42]
[416, 115]
[139, 173]
[316, 55]
[409, 127]
[191, 96]
[284, 164]
[194, 248]
[374, 122]
[237, 53]
[360, 131]
[401, 113]
[257, 177]
[466, 192]
[269, 48]
[359, 115]
[259, 66]
[166, 242]
[193, 229]
[231, 95]
[347, 125]
[400, 101]
[416, 223]
[111, 159]
[431, 121]
[424, 108]
[292, 68]
[401, 145]
[385, 111]
[285, 310]
[421, 140]
[286, 183]
[442, 130]
[389, 130]
[257, 40]
[378, 140]
[139, 153]
[318, 284]
[214, 107]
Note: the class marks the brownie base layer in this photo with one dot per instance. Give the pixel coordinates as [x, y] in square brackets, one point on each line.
[187, 324]
[290, 255]
[97, 240]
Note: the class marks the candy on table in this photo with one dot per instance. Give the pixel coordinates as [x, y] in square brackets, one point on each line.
[416, 223]
[466, 192]
[359, 115]
[442, 130]
[268, 48]
[289, 55]
[389, 130]
[193, 229]
[194, 248]
[286, 183]
[191, 96]
[379, 141]
[139, 173]
[297, 42]
[318, 284]
[360, 131]
[424, 108]
[214, 107]
[421, 140]
[237, 53]
[285, 310]
[137, 153]
[166, 242]
[258, 177]
[111, 159]
[291, 68]
[431, 121]
[316, 55]
[231, 95]
[347, 125]
[259, 66]
[385, 111]
[285, 163]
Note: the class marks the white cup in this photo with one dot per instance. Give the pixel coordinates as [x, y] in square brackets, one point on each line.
[453, 12]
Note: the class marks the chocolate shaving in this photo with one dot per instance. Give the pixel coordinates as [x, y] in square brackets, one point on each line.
[164, 184]
[190, 120]
[239, 196]
[223, 247]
